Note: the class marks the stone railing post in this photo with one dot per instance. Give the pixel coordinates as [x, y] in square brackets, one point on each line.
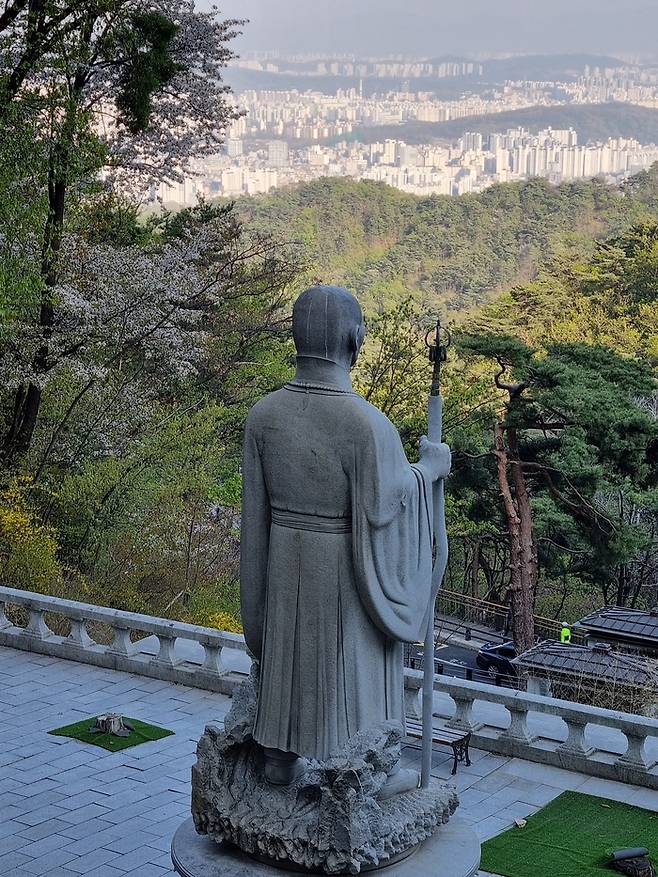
[518, 729]
[79, 635]
[635, 755]
[413, 703]
[212, 660]
[4, 621]
[36, 625]
[166, 652]
[121, 643]
[462, 719]
[575, 743]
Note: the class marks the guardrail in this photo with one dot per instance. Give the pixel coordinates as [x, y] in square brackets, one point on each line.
[494, 616]
[447, 628]
[578, 737]
[591, 740]
[121, 653]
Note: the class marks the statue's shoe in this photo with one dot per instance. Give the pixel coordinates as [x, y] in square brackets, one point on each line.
[282, 768]
[403, 780]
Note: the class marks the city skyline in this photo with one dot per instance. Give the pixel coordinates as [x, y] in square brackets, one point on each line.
[469, 166]
[432, 28]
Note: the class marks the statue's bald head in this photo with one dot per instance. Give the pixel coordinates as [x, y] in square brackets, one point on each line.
[327, 323]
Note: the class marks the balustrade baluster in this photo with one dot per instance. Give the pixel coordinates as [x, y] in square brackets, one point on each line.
[463, 712]
[36, 625]
[121, 644]
[635, 755]
[79, 635]
[212, 662]
[166, 653]
[518, 729]
[575, 743]
[4, 621]
[413, 703]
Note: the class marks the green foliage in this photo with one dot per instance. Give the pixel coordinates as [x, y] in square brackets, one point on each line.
[28, 548]
[147, 65]
[575, 346]
[583, 438]
[625, 267]
[23, 211]
[106, 218]
[391, 371]
[217, 606]
[456, 252]
[508, 351]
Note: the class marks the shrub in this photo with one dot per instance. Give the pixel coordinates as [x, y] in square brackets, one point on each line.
[28, 547]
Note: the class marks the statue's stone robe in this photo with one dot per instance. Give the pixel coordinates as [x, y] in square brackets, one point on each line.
[336, 542]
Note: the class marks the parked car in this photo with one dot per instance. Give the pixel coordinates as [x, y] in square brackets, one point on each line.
[496, 659]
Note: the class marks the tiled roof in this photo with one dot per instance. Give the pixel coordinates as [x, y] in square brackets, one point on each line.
[616, 619]
[598, 663]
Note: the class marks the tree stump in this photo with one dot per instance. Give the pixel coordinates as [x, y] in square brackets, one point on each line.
[112, 723]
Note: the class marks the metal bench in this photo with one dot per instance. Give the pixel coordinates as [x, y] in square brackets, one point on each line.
[457, 740]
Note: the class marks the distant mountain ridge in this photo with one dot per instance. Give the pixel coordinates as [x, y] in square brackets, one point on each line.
[562, 67]
[545, 67]
[591, 121]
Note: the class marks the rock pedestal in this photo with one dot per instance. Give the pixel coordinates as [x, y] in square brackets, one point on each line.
[332, 819]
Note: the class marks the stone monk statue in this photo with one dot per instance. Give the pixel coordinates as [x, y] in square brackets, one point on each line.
[336, 547]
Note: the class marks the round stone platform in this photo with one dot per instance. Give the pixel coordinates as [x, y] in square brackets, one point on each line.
[453, 851]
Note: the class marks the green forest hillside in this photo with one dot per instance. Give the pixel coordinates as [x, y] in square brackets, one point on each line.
[387, 245]
[550, 389]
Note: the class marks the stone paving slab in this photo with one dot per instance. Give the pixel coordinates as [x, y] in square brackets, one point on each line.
[71, 809]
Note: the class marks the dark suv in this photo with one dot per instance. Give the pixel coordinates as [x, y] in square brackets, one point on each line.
[496, 659]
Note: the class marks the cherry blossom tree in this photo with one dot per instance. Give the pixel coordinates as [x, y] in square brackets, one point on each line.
[128, 90]
[179, 312]
[145, 75]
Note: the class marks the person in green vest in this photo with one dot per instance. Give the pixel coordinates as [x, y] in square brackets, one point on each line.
[565, 633]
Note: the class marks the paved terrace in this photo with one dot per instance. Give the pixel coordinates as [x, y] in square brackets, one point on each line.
[69, 808]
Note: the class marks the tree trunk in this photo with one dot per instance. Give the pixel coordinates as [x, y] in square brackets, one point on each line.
[28, 399]
[523, 559]
[475, 569]
[528, 548]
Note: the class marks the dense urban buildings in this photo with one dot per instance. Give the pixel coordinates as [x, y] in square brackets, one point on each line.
[319, 65]
[296, 135]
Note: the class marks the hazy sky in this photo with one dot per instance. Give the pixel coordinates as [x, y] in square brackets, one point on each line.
[435, 27]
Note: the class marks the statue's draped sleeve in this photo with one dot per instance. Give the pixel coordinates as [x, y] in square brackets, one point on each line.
[392, 532]
[254, 542]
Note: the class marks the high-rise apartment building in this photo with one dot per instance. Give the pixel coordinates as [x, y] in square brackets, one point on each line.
[278, 154]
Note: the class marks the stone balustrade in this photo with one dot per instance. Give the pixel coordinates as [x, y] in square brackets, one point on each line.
[588, 739]
[600, 742]
[167, 650]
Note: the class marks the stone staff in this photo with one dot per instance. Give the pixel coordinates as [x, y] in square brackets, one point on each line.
[438, 353]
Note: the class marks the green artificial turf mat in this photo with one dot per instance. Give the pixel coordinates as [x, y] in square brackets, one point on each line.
[571, 837]
[142, 733]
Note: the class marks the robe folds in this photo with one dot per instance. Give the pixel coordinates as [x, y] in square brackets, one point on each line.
[336, 558]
